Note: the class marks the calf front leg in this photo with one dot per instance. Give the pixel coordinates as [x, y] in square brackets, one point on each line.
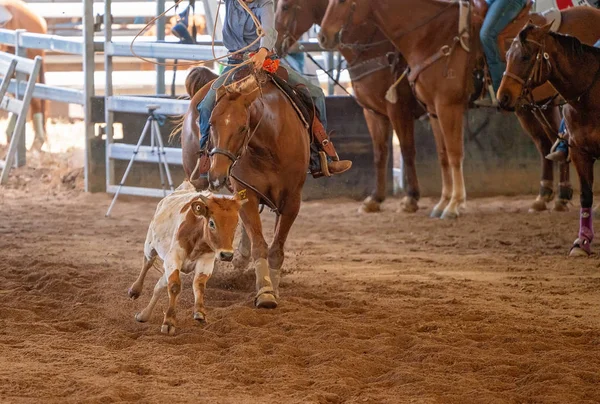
[203, 271]
[174, 289]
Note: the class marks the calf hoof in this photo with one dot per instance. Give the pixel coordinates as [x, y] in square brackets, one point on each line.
[141, 318]
[538, 206]
[561, 205]
[409, 205]
[200, 317]
[133, 293]
[168, 328]
[370, 205]
[266, 301]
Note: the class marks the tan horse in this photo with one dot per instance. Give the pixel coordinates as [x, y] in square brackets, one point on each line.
[23, 17]
[573, 69]
[441, 73]
[372, 73]
[260, 146]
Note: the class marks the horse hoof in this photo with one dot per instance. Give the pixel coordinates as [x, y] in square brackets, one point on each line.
[578, 252]
[240, 262]
[266, 301]
[449, 215]
[132, 293]
[561, 205]
[139, 317]
[436, 214]
[199, 317]
[538, 206]
[168, 328]
[370, 205]
[409, 205]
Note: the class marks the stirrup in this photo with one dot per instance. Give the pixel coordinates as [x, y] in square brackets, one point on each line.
[324, 167]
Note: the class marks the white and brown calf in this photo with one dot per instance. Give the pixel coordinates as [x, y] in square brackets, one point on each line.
[188, 232]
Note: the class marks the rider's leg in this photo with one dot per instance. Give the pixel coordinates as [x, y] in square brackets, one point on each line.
[499, 15]
[336, 166]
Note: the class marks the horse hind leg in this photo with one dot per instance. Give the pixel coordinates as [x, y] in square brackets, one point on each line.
[401, 115]
[565, 189]
[39, 124]
[379, 129]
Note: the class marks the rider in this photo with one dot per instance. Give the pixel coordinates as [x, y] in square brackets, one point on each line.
[500, 13]
[560, 149]
[239, 31]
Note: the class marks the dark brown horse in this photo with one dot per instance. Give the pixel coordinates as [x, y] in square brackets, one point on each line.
[23, 17]
[374, 67]
[573, 69]
[441, 73]
[260, 145]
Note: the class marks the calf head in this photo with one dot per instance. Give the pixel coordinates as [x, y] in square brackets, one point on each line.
[209, 225]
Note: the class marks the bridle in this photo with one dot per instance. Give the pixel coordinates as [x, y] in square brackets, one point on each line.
[542, 58]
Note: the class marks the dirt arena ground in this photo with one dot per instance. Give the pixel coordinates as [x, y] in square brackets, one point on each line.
[387, 308]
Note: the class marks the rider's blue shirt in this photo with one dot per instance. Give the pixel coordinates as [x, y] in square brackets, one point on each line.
[239, 30]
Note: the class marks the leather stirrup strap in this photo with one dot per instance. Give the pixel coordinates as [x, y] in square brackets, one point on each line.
[322, 139]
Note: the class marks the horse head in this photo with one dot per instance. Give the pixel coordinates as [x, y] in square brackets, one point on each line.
[339, 15]
[292, 19]
[231, 127]
[528, 65]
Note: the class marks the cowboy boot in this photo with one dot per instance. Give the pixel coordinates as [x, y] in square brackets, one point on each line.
[325, 162]
[559, 151]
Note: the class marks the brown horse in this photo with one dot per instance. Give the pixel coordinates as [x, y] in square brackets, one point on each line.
[260, 146]
[441, 73]
[23, 17]
[573, 69]
[372, 73]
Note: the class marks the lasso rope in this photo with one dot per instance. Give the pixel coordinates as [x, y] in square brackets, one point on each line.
[259, 32]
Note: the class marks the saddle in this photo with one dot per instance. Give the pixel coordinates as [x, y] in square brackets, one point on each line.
[479, 10]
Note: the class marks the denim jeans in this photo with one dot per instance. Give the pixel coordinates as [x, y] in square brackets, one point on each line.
[207, 105]
[499, 15]
[563, 128]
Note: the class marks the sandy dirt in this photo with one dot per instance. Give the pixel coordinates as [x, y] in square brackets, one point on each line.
[387, 308]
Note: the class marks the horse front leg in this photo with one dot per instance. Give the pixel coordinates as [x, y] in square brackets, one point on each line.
[379, 129]
[440, 143]
[584, 165]
[39, 123]
[543, 143]
[451, 122]
[282, 229]
[265, 294]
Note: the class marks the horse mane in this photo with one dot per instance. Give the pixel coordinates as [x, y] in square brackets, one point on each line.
[572, 46]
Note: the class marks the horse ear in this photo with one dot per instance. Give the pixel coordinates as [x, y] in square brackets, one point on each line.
[547, 28]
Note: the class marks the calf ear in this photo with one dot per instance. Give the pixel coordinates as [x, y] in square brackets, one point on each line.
[241, 197]
[199, 209]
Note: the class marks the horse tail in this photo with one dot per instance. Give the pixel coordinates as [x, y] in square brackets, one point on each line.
[178, 122]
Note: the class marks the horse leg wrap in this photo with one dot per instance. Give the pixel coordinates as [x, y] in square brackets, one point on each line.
[263, 277]
[565, 191]
[546, 191]
[586, 231]
[10, 128]
[38, 126]
[275, 278]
